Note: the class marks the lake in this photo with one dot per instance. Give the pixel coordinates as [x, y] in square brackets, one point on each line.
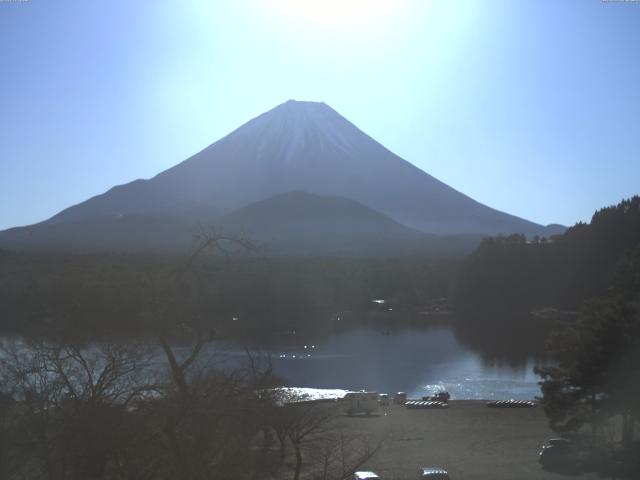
[414, 360]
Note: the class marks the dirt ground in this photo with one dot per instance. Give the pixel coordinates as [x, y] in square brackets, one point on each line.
[469, 439]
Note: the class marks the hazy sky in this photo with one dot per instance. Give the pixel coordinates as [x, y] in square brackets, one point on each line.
[529, 107]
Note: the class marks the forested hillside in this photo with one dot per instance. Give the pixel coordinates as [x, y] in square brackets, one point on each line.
[115, 293]
[512, 274]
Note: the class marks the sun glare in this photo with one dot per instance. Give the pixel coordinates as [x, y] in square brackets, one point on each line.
[342, 15]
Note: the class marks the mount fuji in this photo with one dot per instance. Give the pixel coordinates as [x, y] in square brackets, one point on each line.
[303, 147]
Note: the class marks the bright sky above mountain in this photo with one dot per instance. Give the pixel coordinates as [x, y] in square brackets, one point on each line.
[529, 107]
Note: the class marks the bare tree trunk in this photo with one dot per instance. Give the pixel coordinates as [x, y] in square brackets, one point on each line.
[181, 467]
[178, 369]
[627, 430]
[296, 474]
[51, 474]
[283, 446]
[267, 440]
[593, 419]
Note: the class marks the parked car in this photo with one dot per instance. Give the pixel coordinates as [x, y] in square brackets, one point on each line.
[400, 398]
[437, 397]
[383, 399]
[559, 442]
[441, 397]
[365, 476]
[433, 473]
[562, 454]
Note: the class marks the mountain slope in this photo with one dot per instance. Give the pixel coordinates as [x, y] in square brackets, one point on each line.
[303, 213]
[149, 232]
[303, 146]
[302, 222]
[293, 223]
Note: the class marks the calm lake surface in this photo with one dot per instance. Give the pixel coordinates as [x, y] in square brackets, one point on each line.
[414, 360]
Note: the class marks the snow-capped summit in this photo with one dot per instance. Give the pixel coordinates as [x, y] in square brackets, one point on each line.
[296, 125]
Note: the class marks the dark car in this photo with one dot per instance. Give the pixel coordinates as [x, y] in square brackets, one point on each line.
[442, 396]
[400, 398]
[562, 454]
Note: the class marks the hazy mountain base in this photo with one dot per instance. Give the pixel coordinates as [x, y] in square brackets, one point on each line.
[295, 223]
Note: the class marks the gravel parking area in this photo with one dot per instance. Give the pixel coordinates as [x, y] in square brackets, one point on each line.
[471, 441]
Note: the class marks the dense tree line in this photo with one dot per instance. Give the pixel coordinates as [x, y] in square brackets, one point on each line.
[113, 293]
[512, 275]
[594, 378]
[582, 291]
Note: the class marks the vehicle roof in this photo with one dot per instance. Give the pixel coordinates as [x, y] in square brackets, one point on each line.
[555, 441]
[433, 470]
[366, 475]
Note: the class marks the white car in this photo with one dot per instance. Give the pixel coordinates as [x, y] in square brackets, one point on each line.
[365, 476]
[433, 473]
[383, 399]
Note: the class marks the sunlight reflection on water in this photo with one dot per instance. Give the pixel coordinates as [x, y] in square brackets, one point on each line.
[417, 361]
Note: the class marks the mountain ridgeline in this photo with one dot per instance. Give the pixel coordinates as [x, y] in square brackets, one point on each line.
[300, 178]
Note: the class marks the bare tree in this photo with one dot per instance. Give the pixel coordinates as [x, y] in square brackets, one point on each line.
[307, 424]
[71, 404]
[339, 454]
[321, 446]
[210, 416]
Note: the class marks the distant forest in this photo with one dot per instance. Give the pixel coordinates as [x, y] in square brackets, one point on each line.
[492, 291]
[250, 297]
[513, 274]
[506, 279]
